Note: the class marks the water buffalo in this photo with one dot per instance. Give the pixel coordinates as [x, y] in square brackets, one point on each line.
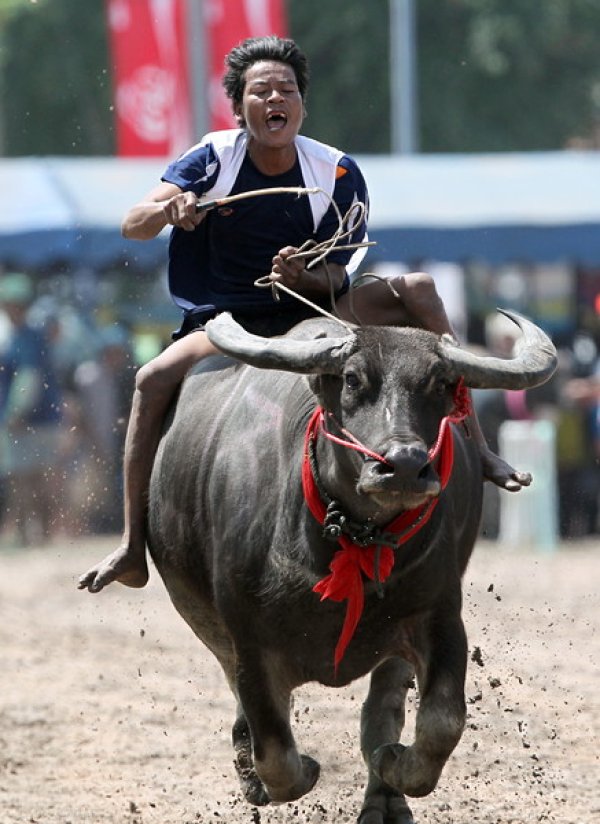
[237, 496]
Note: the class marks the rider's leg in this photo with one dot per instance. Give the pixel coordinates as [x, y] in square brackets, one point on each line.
[156, 384]
[400, 300]
[413, 299]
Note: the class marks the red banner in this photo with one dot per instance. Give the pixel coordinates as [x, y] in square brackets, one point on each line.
[151, 83]
[227, 23]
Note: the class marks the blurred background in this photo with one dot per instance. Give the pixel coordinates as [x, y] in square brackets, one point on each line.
[476, 124]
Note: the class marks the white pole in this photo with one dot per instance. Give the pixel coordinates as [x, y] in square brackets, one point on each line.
[403, 77]
[198, 67]
[530, 519]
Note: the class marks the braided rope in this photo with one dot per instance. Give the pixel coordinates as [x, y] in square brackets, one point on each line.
[319, 251]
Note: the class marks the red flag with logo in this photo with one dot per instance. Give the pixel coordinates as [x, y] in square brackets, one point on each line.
[228, 22]
[151, 82]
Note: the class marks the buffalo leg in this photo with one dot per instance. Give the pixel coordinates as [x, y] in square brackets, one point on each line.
[382, 721]
[285, 773]
[440, 720]
[252, 787]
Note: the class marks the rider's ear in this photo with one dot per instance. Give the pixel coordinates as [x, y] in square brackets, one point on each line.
[239, 117]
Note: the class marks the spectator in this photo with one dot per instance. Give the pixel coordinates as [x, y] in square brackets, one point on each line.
[495, 406]
[103, 388]
[30, 414]
[578, 446]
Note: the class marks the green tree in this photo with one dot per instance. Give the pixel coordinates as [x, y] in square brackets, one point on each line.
[494, 75]
[499, 75]
[57, 91]
[347, 44]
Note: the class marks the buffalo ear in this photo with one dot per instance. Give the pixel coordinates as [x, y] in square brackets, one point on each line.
[314, 381]
[327, 389]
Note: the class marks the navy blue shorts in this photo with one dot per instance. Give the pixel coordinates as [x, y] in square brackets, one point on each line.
[276, 320]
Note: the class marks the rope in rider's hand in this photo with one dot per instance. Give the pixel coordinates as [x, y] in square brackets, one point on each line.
[321, 250]
[317, 251]
[344, 230]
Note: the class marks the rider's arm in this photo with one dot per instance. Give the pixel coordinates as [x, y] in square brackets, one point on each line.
[165, 204]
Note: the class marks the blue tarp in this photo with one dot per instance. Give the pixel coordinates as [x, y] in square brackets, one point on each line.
[96, 248]
[578, 244]
[499, 208]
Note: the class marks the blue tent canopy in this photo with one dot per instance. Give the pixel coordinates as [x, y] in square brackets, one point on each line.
[69, 210]
[578, 243]
[499, 208]
[537, 207]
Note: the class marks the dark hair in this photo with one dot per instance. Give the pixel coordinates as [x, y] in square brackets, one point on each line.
[250, 51]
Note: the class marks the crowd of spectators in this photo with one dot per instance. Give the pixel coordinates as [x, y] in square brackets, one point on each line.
[66, 382]
[65, 389]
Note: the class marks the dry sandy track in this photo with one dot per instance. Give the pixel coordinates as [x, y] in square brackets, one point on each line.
[111, 711]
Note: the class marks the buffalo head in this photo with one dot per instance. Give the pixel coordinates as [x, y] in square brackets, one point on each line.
[390, 388]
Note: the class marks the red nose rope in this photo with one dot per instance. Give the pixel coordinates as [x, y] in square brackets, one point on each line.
[345, 582]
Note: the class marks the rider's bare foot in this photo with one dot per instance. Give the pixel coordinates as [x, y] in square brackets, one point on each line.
[125, 564]
[502, 474]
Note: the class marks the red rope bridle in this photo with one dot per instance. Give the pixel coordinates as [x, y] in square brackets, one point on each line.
[352, 561]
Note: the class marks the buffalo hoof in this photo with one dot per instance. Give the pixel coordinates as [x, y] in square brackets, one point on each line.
[400, 769]
[310, 775]
[251, 786]
[254, 791]
[386, 809]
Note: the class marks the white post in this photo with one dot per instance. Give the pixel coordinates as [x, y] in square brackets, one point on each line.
[529, 518]
[403, 77]
[197, 62]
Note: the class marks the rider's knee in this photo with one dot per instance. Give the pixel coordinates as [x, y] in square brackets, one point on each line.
[421, 297]
[420, 286]
[152, 380]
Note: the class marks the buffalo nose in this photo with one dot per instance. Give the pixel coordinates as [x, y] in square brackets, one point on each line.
[404, 460]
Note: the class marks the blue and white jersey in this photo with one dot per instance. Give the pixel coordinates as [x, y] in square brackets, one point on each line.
[216, 265]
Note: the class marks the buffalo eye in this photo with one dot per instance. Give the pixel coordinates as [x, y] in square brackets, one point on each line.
[440, 387]
[352, 380]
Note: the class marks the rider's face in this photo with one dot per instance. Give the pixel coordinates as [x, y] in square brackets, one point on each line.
[272, 109]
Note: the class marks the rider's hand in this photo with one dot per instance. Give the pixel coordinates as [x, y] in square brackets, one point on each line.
[180, 211]
[286, 271]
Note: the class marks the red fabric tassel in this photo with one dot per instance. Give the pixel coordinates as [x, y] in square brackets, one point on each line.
[345, 583]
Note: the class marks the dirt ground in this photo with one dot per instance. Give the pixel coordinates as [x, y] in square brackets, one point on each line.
[111, 710]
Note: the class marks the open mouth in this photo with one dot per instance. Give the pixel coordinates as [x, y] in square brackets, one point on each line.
[402, 498]
[276, 121]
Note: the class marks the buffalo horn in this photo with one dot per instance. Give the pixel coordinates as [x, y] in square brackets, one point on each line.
[317, 355]
[533, 363]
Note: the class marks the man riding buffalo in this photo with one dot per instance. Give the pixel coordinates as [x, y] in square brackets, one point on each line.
[217, 254]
